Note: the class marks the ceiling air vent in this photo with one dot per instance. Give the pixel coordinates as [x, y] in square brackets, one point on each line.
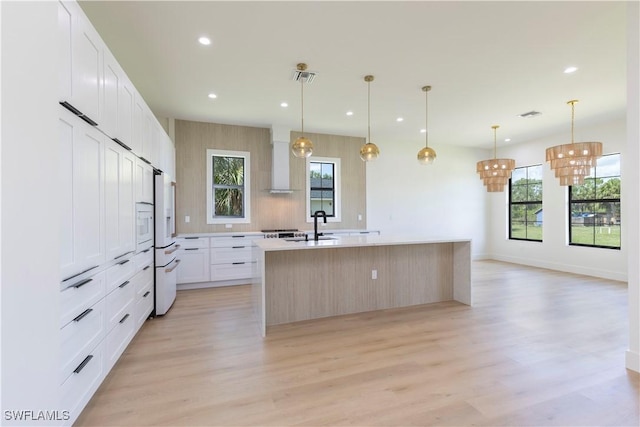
[302, 74]
[530, 114]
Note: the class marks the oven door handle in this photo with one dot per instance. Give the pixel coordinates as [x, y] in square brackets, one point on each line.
[169, 270]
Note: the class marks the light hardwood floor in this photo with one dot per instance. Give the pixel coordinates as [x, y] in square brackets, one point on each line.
[538, 348]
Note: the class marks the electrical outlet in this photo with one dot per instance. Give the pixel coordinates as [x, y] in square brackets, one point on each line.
[187, 219]
[228, 226]
[359, 217]
[374, 274]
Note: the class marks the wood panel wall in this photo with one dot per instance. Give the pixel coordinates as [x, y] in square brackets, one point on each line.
[268, 211]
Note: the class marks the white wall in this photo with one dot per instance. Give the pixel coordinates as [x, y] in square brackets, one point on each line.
[445, 199]
[30, 271]
[554, 251]
[632, 192]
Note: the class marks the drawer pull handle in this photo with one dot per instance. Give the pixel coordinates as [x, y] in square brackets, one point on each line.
[123, 262]
[238, 263]
[172, 250]
[145, 251]
[191, 238]
[126, 316]
[81, 283]
[124, 284]
[82, 272]
[88, 120]
[71, 108]
[83, 364]
[126, 253]
[146, 268]
[191, 249]
[169, 270]
[122, 144]
[80, 316]
[236, 237]
[146, 294]
[238, 247]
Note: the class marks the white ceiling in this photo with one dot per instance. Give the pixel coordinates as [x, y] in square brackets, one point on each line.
[486, 61]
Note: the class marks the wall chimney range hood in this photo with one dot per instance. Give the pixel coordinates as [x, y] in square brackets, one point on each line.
[280, 161]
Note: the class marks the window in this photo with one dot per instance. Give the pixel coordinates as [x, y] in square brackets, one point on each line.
[525, 203]
[323, 187]
[594, 207]
[228, 187]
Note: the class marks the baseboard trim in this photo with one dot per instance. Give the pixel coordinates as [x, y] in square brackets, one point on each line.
[203, 285]
[632, 361]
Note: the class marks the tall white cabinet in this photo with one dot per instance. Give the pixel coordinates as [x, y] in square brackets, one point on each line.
[109, 144]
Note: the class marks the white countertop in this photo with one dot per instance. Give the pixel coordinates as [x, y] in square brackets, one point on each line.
[349, 242]
[260, 233]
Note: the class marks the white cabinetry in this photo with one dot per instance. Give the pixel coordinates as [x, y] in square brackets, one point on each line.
[81, 149]
[231, 258]
[143, 285]
[194, 260]
[144, 182]
[82, 56]
[120, 169]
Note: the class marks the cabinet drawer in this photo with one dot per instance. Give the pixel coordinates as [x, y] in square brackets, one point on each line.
[76, 391]
[227, 242]
[119, 273]
[144, 306]
[143, 259]
[117, 302]
[231, 271]
[79, 336]
[80, 296]
[143, 279]
[194, 265]
[231, 255]
[193, 242]
[118, 339]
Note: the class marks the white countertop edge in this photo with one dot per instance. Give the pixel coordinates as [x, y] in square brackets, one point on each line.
[260, 233]
[351, 241]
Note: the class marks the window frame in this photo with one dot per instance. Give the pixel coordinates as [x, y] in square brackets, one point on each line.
[211, 217]
[525, 203]
[337, 193]
[571, 202]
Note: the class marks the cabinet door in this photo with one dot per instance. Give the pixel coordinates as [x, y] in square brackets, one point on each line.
[194, 265]
[119, 201]
[144, 182]
[125, 112]
[147, 134]
[81, 189]
[65, 26]
[87, 51]
[138, 124]
[110, 101]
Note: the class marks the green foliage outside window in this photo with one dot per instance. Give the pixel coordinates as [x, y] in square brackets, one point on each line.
[525, 203]
[228, 186]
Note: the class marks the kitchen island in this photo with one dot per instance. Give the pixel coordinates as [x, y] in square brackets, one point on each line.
[303, 280]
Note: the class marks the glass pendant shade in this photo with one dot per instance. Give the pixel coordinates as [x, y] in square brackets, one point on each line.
[302, 147]
[572, 162]
[427, 155]
[369, 151]
[495, 173]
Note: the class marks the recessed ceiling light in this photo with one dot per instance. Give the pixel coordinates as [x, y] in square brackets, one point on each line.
[349, 113]
[213, 96]
[423, 131]
[205, 41]
[570, 70]
[284, 104]
[399, 119]
[507, 139]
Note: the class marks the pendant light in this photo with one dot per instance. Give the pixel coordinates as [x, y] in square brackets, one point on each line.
[369, 151]
[427, 155]
[572, 162]
[495, 173]
[302, 147]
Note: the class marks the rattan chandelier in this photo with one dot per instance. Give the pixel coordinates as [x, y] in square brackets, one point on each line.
[495, 173]
[572, 162]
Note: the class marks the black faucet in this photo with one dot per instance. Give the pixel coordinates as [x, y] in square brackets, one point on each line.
[315, 223]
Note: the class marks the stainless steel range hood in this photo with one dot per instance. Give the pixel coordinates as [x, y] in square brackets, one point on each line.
[280, 161]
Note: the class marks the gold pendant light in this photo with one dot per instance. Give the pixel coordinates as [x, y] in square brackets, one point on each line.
[427, 155]
[369, 151]
[495, 173]
[302, 147]
[572, 162]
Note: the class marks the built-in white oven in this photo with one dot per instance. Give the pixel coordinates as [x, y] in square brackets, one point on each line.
[144, 226]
